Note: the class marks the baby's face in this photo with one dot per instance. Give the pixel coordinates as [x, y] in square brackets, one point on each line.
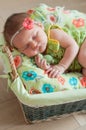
[31, 42]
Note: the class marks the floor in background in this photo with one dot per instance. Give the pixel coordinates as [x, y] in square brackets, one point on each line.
[11, 117]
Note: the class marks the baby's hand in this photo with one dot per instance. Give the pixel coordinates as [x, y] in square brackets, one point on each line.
[55, 70]
[41, 63]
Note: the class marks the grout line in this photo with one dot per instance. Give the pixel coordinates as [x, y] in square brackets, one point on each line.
[80, 118]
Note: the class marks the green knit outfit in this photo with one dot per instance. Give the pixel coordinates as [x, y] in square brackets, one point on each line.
[71, 21]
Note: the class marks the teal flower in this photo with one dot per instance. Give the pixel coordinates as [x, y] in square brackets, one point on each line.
[29, 75]
[47, 88]
[73, 81]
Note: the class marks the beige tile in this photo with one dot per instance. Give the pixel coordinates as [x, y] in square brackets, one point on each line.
[81, 128]
[10, 114]
[1, 23]
[80, 118]
[61, 124]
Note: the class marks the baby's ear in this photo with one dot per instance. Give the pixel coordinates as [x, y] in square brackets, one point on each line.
[40, 25]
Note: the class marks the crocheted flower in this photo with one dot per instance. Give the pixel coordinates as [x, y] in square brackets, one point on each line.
[50, 9]
[30, 11]
[73, 81]
[47, 88]
[78, 22]
[61, 80]
[83, 81]
[51, 18]
[34, 91]
[17, 61]
[28, 23]
[66, 11]
[29, 75]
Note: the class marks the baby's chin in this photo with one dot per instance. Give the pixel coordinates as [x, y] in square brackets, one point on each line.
[42, 49]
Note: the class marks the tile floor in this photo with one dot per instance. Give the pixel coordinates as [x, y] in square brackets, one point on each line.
[11, 117]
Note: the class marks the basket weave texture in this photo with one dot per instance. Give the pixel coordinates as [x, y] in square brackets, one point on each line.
[37, 114]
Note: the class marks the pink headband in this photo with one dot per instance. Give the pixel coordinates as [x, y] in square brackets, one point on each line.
[27, 24]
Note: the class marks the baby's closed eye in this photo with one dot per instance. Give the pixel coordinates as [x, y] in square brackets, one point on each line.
[24, 48]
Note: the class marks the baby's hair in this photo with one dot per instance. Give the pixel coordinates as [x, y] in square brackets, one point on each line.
[12, 25]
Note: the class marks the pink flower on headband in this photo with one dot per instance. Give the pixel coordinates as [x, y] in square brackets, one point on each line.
[28, 23]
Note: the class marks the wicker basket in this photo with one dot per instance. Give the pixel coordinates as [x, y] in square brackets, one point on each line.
[37, 114]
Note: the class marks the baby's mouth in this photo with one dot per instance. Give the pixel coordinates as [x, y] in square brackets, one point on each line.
[37, 47]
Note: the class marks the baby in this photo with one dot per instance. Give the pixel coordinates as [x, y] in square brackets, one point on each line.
[32, 36]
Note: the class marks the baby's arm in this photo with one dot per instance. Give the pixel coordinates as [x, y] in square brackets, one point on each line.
[71, 50]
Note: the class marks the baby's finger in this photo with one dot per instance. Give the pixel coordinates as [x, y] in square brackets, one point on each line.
[53, 73]
[46, 66]
[42, 63]
[49, 70]
[37, 57]
[37, 60]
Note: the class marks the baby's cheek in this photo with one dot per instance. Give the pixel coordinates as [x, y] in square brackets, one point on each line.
[42, 48]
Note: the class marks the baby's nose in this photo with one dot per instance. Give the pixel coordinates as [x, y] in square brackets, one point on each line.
[34, 44]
